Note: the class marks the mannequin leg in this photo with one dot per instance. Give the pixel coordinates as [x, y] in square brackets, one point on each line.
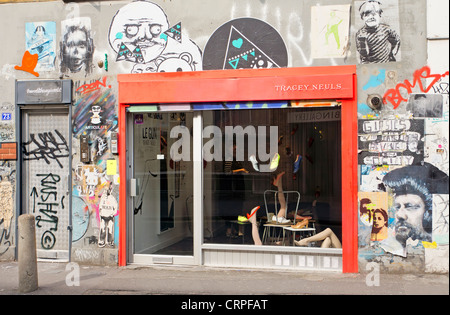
[278, 182]
[327, 233]
[255, 230]
[326, 243]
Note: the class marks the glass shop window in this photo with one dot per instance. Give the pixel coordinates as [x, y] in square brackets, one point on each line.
[272, 174]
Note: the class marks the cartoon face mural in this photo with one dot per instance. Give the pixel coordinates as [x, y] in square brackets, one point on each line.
[180, 63]
[135, 32]
[139, 33]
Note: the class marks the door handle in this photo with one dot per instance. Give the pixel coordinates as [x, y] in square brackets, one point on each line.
[133, 187]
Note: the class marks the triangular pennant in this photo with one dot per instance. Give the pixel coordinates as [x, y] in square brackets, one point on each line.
[173, 32]
[241, 50]
[234, 63]
[123, 53]
[137, 55]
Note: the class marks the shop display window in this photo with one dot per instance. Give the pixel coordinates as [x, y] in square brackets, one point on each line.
[272, 174]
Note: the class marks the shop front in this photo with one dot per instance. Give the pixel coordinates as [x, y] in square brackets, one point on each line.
[242, 168]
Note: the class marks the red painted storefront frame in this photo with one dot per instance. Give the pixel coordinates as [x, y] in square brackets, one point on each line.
[338, 83]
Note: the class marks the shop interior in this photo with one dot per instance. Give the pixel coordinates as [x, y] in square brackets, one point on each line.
[276, 183]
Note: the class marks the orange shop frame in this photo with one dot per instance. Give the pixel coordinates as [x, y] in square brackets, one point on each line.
[309, 83]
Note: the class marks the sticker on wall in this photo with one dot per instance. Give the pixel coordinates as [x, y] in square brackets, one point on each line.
[40, 39]
[390, 141]
[95, 112]
[76, 47]
[140, 33]
[330, 27]
[29, 63]
[440, 219]
[425, 105]
[377, 38]
[373, 216]
[245, 43]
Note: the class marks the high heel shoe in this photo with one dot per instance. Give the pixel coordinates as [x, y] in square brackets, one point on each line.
[300, 225]
[252, 217]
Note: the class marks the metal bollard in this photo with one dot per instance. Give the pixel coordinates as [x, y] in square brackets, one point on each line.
[28, 274]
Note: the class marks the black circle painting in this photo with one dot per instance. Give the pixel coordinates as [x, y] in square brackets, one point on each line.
[245, 43]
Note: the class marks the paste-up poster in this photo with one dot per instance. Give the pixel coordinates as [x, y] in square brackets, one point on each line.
[377, 38]
[76, 46]
[373, 215]
[330, 27]
[395, 142]
[40, 39]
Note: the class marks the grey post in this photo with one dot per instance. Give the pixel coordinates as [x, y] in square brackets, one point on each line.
[28, 274]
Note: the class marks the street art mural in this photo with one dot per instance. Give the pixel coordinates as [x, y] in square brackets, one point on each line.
[140, 33]
[402, 113]
[76, 46]
[413, 188]
[41, 40]
[245, 43]
[378, 39]
[330, 31]
[94, 199]
[403, 145]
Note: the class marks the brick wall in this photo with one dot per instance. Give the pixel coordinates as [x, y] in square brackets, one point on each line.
[8, 151]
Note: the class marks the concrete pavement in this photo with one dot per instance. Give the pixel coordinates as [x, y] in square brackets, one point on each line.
[73, 279]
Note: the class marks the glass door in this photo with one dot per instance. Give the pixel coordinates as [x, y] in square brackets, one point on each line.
[161, 187]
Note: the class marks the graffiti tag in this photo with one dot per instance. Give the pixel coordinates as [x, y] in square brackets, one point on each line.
[90, 87]
[394, 95]
[47, 147]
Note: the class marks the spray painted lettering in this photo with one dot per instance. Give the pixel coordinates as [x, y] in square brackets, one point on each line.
[90, 87]
[46, 146]
[48, 206]
[394, 95]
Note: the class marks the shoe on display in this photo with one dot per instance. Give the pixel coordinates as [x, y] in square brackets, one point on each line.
[297, 162]
[281, 220]
[275, 161]
[254, 163]
[301, 224]
[242, 218]
[252, 213]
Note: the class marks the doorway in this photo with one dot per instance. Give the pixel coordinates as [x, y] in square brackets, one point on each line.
[161, 186]
[45, 150]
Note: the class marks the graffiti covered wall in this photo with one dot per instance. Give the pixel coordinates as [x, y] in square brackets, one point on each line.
[402, 101]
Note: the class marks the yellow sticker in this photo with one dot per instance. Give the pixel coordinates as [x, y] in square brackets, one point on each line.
[429, 245]
[111, 167]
